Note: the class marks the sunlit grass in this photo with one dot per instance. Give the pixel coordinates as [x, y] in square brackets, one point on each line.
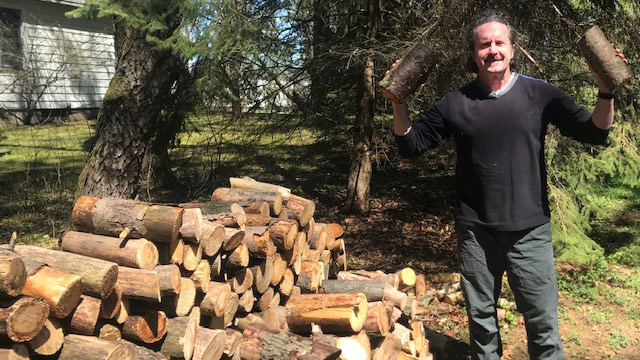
[53, 147]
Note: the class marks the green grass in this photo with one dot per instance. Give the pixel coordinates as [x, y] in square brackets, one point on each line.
[38, 176]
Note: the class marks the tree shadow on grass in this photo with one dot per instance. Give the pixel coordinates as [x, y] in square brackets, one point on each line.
[619, 232]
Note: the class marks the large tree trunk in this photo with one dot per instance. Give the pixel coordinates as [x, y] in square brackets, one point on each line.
[129, 113]
[360, 170]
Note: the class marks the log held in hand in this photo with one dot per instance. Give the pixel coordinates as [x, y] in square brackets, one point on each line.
[599, 52]
[412, 71]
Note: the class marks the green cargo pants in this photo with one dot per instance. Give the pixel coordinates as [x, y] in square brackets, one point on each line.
[527, 256]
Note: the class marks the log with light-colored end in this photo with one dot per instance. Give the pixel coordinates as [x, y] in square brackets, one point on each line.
[335, 313]
[241, 281]
[162, 223]
[84, 319]
[171, 253]
[417, 335]
[180, 338]
[110, 305]
[212, 238]
[407, 279]
[420, 286]
[244, 195]
[123, 310]
[232, 342]
[287, 283]
[191, 256]
[333, 230]
[92, 348]
[184, 301]
[243, 322]
[258, 207]
[139, 284]
[135, 253]
[216, 299]
[109, 332]
[283, 234]
[259, 242]
[246, 301]
[13, 275]
[168, 279]
[377, 322]
[201, 276]
[232, 238]
[311, 275]
[396, 297]
[216, 265]
[387, 348]
[318, 239]
[239, 257]
[350, 348]
[22, 319]
[262, 275]
[49, 339]
[226, 320]
[58, 288]
[309, 229]
[279, 267]
[98, 276]
[209, 344]
[264, 300]
[303, 209]
[191, 229]
[147, 326]
[270, 318]
[252, 184]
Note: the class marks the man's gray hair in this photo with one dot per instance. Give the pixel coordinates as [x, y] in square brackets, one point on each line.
[484, 17]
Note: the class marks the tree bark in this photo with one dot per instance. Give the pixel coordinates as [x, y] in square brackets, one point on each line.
[260, 342]
[91, 348]
[126, 121]
[360, 169]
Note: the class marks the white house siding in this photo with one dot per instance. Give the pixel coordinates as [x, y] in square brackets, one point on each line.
[70, 61]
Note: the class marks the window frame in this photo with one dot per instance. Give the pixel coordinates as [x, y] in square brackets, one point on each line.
[17, 46]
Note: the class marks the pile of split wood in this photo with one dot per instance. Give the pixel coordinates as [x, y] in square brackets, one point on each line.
[247, 275]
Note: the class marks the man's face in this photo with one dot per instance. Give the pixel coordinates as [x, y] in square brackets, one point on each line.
[493, 50]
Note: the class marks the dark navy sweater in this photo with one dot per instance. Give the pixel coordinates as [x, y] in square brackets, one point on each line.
[501, 177]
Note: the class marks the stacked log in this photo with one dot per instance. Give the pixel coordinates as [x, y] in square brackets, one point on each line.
[241, 276]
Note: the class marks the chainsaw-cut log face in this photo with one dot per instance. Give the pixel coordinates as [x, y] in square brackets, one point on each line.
[49, 339]
[22, 319]
[13, 275]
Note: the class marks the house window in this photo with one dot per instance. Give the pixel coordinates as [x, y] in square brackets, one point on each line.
[10, 42]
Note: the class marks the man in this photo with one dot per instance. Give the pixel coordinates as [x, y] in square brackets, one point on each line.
[499, 122]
